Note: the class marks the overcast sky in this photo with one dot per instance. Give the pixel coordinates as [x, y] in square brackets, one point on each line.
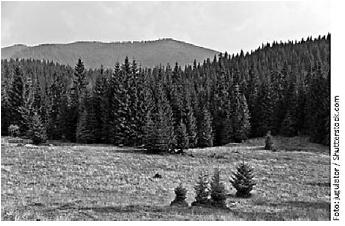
[223, 26]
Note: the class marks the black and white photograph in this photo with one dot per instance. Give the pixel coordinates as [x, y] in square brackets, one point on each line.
[169, 111]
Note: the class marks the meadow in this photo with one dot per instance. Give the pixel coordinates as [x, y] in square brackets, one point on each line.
[102, 182]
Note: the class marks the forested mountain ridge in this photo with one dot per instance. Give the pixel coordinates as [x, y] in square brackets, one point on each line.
[94, 54]
[280, 87]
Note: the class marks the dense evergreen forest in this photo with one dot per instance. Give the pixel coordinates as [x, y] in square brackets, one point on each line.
[280, 87]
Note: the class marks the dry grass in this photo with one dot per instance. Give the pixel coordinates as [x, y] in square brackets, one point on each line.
[110, 183]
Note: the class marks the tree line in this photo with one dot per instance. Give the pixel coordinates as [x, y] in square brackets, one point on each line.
[280, 87]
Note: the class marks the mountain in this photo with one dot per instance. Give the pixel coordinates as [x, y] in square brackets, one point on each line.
[146, 53]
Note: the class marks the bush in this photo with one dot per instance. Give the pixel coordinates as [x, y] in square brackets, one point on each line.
[202, 191]
[269, 142]
[37, 131]
[242, 180]
[13, 130]
[180, 198]
[218, 196]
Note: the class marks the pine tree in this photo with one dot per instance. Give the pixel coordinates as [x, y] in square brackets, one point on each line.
[239, 116]
[180, 198]
[5, 109]
[101, 107]
[143, 106]
[28, 110]
[176, 95]
[151, 138]
[16, 99]
[218, 196]
[202, 191]
[37, 131]
[77, 95]
[114, 97]
[318, 106]
[160, 136]
[205, 136]
[190, 120]
[279, 86]
[289, 124]
[133, 111]
[301, 109]
[80, 80]
[87, 124]
[242, 180]
[121, 97]
[182, 141]
[82, 133]
[264, 110]
[57, 106]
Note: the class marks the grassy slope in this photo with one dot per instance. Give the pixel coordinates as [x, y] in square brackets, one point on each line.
[108, 183]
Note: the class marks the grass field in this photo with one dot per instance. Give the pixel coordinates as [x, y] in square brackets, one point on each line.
[76, 182]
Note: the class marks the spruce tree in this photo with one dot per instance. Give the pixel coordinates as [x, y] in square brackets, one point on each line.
[115, 105]
[37, 130]
[151, 138]
[27, 111]
[239, 117]
[289, 125]
[202, 191]
[218, 196]
[190, 121]
[87, 124]
[242, 180]
[205, 136]
[180, 198]
[143, 105]
[101, 108]
[5, 109]
[264, 110]
[77, 95]
[279, 86]
[56, 95]
[16, 99]
[182, 141]
[160, 136]
[319, 105]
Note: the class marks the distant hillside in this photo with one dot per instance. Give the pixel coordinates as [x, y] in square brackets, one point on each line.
[146, 53]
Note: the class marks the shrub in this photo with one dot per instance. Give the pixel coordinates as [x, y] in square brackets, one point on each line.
[218, 197]
[202, 191]
[180, 198]
[13, 130]
[37, 131]
[242, 180]
[269, 141]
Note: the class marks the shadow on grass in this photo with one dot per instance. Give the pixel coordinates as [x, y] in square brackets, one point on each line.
[289, 210]
[320, 184]
[255, 215]
[314, 205]
[298, 204]
[154, 209]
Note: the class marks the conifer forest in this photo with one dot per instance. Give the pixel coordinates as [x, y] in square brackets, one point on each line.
[281, 87]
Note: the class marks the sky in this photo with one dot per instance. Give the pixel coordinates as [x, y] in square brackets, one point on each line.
[222, 26]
